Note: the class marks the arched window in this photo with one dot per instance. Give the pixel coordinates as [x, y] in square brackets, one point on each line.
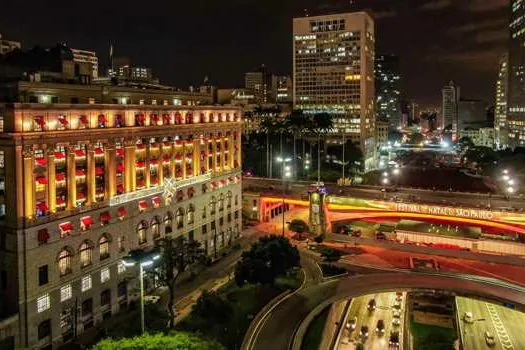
[236, 199]
[180, 218]
[155, 227]
[141, 232]
[213, 205]
[191, 214]
[103, 246]
[221, 202]
[64, 261]
[229, 199]
[168, 222]
[86, 254]
[204, 212]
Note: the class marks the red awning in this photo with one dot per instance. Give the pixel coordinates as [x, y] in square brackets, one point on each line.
[154, 117]
[43, 235]
[42, 206]
[154, 181]
[178, 142]
[167, 143]
[60, 201]
[80, 172]
[203, 153]
[120, 152]
[139, 164]
[87, 221]
[155, 200]
[143, 205]
[140, 117]
[105, 216]
[166, 159]
[83, 119]
[140, 183]
[81, 195]
[60, 155]
[120, 167]
[63, 120]
[153, 161]
[141, 146]
[41, 161]
[231, 179]
[154, 145]
[178, 173]
[60, 176]
[178, 156]
[224, 181]
[118, 117]
[122, 211]
[42, 180]
[40, 120]
[99, 171]
[80, 153]
[102, 118]
[99, 151]
[120, 188]
[66, 226]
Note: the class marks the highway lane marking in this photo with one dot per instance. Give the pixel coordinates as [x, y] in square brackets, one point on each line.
[501, 331]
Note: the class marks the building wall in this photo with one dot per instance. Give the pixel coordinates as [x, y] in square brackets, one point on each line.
[500, 110]
[114, 174]
[387, 79]
[334, 72]
[451, 96]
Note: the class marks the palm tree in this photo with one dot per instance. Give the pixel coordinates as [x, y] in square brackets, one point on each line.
[297, 122]
[322, 123]
[270, 124]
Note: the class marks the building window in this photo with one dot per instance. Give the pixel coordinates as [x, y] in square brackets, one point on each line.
[44, 329]
[180, 218]
[43, 277]
[86, 283]
[213, 205]
[236, 214]
[155, 227]
[66, 292]
[104, 275]
[204, 229]
[121, 268]
[86, 254]
[229, 217]
[122, 289]
[204, 212]
[236, 199]
[87, 307]
[103, 243]
[191, 215]
[43, 303]
[121, 244]
[141, 232]
[105, 297]
[1, 124]
[221, 202]
[229, 199]
[64, 262]
[2, 159]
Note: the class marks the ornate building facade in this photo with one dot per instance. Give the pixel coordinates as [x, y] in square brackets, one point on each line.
[83, 184]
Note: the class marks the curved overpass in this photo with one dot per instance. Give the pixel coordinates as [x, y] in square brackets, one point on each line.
[277, 329]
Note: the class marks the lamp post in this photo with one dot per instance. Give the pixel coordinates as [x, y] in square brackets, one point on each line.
[143, 259]
[286, 172]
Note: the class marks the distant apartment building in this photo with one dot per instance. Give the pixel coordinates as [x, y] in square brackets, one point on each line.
[450, 108]
[260, 82]
[382, 128]
[500, 110]
[84, 56]
[484, 136]
[333, 72]
[282, 88]
[387, 79]
[8, 45]
[472, 114]
[124, 70]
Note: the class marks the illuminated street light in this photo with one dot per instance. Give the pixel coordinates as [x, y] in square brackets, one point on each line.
[279, 159]
[395, 171]
[505, 171]
[510, 182]
[385, 181]
[510, 189]
[506, 177]
[385, 174]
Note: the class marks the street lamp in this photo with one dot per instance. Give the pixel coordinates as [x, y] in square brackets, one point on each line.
[385, 181]
[286, 173]
[143, 259]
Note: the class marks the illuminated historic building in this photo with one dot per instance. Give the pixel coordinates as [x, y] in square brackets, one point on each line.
[83, 184]
[333, 72]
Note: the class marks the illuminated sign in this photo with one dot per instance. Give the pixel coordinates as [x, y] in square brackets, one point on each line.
[444, 211]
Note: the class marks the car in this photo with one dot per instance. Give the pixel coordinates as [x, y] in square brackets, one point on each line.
[380, 327]
[151, 299]
[399, 296]
[397, 304]
[489, 339]
[468, 317]
[371, 305]
[396, 321]
[396, 313]
[363, 333]
[350, 325]
[393, 342]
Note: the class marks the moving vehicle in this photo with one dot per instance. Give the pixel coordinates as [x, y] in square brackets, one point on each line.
[396, 321]
[399, 296]
[393, 342]
[350, 325]
[468, 317]
[396, 313]
[489, 339]
[380, 327]
[364, 332]
[371, 305]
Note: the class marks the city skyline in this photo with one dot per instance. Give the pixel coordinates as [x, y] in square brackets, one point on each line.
[434, 40]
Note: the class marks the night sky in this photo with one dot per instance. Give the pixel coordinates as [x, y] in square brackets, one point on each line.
[182, 41]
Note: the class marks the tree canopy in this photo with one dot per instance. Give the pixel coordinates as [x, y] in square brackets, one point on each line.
[298, 226]
[159, 341]
[270, 257]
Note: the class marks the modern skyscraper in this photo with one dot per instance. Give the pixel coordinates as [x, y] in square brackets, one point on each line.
[387, 79]
[450, 108]
[282, 88]
[516, 75]
[84, 56]
[333, 72]
[260, 82]
[500, 110]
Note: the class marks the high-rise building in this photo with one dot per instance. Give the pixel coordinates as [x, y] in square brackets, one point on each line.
[450, 110]
[516, 75]
[123, 69]
[387, 79]
[84, 184]
[333, 72]
[8, 45]
[472, 114]
[84, 56]
[260, 82]
[282, 88]
[500, 109]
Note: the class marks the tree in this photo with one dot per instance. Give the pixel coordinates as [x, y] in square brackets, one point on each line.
[321, 124]
[297, 122]
[331, 255]
[395, 136]
[481, 155]
[159, 341]
[177, 255]
[298, 226]
[270, 257]
[465, 143]
[417, 138]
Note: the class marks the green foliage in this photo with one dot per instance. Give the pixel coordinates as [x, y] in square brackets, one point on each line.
[319, 239]
[465, 143]
[124, 324]
[298, 226]
[331, 270]
[331, 255]
[268, 258]
[395, 136]
[416, 139]
[159, 341]
[483, 156]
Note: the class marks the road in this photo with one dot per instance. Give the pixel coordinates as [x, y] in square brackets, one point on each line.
[282, 322]
[473, 200]
[504, 324]
[384, 311]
